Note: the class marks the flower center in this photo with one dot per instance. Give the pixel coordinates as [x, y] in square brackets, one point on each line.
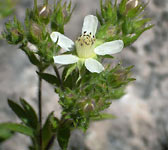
[85, 45]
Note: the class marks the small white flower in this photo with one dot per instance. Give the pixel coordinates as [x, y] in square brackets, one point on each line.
[87, 47]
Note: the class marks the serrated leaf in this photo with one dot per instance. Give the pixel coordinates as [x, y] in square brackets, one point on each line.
[17, 128]
[30, 113]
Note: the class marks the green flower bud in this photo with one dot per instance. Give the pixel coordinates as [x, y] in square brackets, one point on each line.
[45, 13]
[89, 107]
[66, 11]
[100, 104]
[121, 74]
[14, 32]
[112, 31]
[14, 37]
[35, 33]
[17, 36]
[61, 15]
[131, 4]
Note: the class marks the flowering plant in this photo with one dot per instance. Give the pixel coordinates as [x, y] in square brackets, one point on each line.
[87, 46]
[85, 84]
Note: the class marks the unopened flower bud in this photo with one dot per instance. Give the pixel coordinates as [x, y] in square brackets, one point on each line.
[44, 11]
[100, 103]
[16, 36]
[112, 30]
[65, 13]
[121, 74]
[88, 107]
[131, 4]
[35, 33]
[36, 29]
[14, 31]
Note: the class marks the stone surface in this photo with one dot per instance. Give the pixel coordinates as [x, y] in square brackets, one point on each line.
[142, 120]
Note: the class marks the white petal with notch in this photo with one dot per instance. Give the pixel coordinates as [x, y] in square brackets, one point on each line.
[65, 59]
[109, 48]
[90, 25]
[93, 65]
[63, 41]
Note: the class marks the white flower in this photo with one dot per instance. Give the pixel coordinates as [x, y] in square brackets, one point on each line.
[87, 47]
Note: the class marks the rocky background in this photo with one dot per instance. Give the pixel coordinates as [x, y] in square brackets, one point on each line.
[142, 114]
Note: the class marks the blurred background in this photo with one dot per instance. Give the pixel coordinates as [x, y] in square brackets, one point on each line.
[142, 114]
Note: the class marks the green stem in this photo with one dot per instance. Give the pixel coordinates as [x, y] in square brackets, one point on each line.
[40, 110]
[46, 2]
[35, 4]
[58, 75]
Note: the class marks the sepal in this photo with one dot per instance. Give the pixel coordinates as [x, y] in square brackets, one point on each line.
[61, 16]
[121, 21]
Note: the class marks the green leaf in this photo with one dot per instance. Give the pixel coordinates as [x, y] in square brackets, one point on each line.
[17, 128]
[127, 27]
[19, 111]
[30, 113]
[63, 136]
[130, 39]
[134, 12]
[49, 78]
[122, 6]
[49, 130]
[102, 31]
[26, 114]
[140, 23]
[108, 56]
[103, 116]
[32, 57]
[102, 9]
[70, 70]
[5, 134]
[99, 18]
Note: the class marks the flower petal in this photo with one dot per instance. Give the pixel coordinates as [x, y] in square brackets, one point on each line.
[90, 25]
[63, 41]
[109, 48]
[93, 65]
[65, 59]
